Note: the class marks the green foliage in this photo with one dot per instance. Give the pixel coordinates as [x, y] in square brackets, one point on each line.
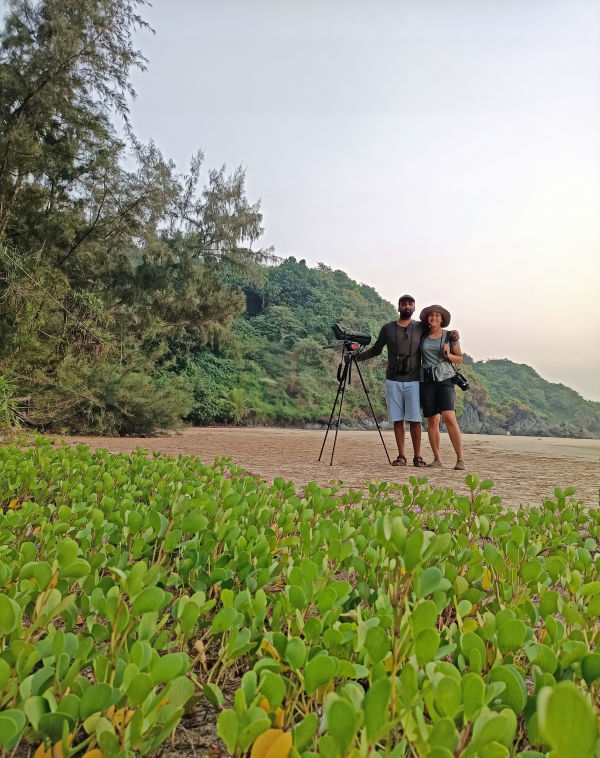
[281, 366]
[9, 407]
[402, 620]
[108, 276]
[520, 399]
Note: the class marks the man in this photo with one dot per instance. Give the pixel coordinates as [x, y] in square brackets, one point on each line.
[403, 341]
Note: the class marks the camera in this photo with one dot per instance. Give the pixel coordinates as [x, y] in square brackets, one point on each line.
[403, 364]
[360, 338]
[461, 381]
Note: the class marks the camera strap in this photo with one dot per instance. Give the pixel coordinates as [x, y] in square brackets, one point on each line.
[410, 326]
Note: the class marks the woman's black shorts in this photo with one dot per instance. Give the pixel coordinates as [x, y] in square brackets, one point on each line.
[437, 397]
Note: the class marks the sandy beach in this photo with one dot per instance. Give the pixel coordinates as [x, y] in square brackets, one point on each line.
[524, 469]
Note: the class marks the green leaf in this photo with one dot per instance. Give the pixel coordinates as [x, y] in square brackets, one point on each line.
[254, 722]
[51, 726]
[194, 522]
[12, 723]
[436, 752]
[139, 688]
[341, 724]
[67, 552]
[273, 688]
[95, 699]
[70, 706]
[377, 644]
[179, 691]
[295, 653]
[412, 550]
[473, 648]
[448, 696]
[319, 671]
[9, 615]
[429, 581]
[473, 688]
[426, 646]
[573, 651]
[590, 667]
[214, 695]
[75, 570]
[149, 599]
[376, 706]
[492, 727]
[4, 673]
[444, 735]
[304, 732]
[225, 619]
[424, 616]
[167, 667]
[34, 708]
[228, 729]
[511, 635]
[493, 750]
[567, 721]
[515, 692]
[40, 571]
[544, 657]
[589, 589]
[297, 598]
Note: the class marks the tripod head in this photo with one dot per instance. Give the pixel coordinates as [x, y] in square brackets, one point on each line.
[361, 338]
[348, 341]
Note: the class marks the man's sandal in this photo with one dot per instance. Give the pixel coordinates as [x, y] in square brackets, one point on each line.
[418, 462]
[400, 461]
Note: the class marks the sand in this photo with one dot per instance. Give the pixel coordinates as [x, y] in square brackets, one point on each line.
[524, 469]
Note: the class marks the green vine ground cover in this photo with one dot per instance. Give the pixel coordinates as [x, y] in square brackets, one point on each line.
[400, 621]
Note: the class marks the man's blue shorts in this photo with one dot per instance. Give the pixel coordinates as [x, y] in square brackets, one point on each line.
[402, 400]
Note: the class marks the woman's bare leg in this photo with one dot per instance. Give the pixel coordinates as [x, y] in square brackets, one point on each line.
[433, 432]
[453, 432]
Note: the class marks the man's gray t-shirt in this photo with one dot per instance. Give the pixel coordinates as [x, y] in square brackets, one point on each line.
[400, 341]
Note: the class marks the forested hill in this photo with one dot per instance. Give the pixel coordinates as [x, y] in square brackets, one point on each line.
[280, 372]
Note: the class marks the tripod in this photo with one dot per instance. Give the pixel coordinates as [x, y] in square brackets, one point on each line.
[344, 376]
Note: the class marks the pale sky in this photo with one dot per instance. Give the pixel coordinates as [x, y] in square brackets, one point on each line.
[448, 148]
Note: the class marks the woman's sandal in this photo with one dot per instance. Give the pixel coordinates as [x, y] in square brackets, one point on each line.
[418, 462]
[400, 461]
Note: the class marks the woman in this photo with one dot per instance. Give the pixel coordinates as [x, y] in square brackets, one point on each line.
[438, 356]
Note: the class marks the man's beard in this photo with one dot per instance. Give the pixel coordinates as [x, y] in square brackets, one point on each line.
[405, 314]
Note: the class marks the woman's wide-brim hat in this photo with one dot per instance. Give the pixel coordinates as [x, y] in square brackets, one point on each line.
[436, 309]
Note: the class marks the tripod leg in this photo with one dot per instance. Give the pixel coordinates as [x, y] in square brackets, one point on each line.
[342, 381]
[372, 411]
[337, 426]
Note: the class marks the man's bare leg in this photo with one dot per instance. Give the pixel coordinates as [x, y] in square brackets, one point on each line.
[399, 434]
[415, 435]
